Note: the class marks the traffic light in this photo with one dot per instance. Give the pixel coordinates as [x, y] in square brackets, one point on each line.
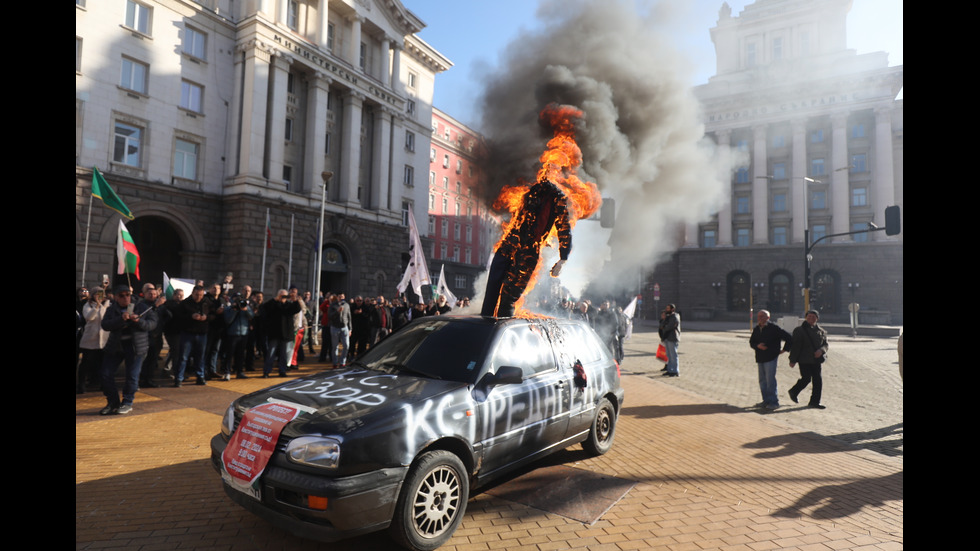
[607, 213]
[893, 220]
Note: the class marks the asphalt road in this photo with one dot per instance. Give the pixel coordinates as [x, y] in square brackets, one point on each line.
[862, 389]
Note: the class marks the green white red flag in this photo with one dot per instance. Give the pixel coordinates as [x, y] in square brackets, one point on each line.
[129, 257]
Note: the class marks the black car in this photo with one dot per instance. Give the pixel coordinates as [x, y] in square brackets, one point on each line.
[397, 439]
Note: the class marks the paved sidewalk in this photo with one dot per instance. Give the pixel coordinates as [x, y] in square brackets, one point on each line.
[707, 476]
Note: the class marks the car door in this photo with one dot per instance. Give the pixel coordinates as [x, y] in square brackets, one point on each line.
[577, 343]
[519, 420]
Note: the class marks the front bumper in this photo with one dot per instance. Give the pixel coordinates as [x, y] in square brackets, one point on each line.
[355, 504]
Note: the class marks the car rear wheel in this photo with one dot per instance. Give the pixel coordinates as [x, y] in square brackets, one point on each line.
[603, 429]
[432, 501]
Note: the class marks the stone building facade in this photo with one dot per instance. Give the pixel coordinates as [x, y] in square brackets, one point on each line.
[816, 134]
[205, 116]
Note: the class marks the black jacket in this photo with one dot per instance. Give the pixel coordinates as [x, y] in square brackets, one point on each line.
[770, 335]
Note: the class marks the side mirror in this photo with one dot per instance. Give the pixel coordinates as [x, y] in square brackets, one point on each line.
[508, 375]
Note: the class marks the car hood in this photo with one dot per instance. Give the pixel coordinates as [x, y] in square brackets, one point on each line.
[342, 400]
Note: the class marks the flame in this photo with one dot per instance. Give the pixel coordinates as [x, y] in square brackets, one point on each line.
[559, 165]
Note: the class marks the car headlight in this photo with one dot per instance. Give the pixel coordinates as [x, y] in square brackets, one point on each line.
[315, 450]
[228, 421]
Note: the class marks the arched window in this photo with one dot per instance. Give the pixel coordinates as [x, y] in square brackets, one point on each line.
[781, 291]
[739, 287]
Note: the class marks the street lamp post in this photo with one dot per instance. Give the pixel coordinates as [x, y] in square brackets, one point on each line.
[326, 175]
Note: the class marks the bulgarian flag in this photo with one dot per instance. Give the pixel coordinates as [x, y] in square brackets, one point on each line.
[170, 285]
[101, 189]
[129, 257]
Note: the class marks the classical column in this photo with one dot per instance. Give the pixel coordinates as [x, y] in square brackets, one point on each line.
[760, 187]
[799, 186]
[381, 171]
[316, 130]
[354, 48]
[350, 150]
[282, 14]
[396, 67]
[725, 213]
[385, 72]
[322, 24]
[251, 94]
[884, 171]
[277, 116]
[840, 191]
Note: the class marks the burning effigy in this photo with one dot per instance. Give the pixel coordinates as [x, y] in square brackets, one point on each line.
[540, 214]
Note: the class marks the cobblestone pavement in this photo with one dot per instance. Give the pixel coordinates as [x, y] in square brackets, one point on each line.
[862, 389]
[706, 472]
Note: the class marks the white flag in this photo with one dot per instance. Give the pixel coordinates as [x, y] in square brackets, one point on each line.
[417, 271]
[443, 288]
[629, 312]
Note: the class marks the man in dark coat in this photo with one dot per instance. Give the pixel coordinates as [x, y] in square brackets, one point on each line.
[809, 349]
[766, 338]
[277, 319]
[129, 325]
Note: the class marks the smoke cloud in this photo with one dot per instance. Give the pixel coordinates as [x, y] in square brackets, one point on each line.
[642, 138]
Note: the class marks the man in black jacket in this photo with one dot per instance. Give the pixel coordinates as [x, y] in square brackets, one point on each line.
[277, 319]
[809, 349]
[129, 325]
[766, 338]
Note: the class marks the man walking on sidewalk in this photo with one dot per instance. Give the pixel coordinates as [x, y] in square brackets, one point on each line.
[766, 338]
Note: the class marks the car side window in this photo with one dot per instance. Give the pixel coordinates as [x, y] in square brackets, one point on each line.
[526, 347]
[580, 344]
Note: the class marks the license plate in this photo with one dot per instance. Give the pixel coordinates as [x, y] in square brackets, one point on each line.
[247, 490]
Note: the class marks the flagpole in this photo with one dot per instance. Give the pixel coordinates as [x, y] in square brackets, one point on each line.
[265, 246]
[326, 175]
[88, 226]
[289, 273]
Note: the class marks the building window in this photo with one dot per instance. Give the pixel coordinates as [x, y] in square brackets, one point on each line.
[185, 159]
[292, 15]
[445, 182]
[410, 140]
[779, 140]
[859, 162]
[456, 231]
[817, 167]
[133, 75]
[708, 239]
[139, 17]
[445, 229]
[459, 187]
[818, 200]
[445, 161]
[289, 129]
[818, 232]
[742, 205]
[432, 178]
[194, 42]
[461, 280]
[412, 79]
[326, 145]
[816, 136]
[442, 251]
[432, 224]
[779, 235]
[455, 253]
[191, 96]
[750, 55]
[860, 237]
[804, 43]
[779, 202]
[78, 54]
[742, 237]
[459, 166]
[777, 48]
[457, 208]
[432, 155]
[859, 197]
[469, 258]
[779, 171]
[469, 234]
[362, 62]
[409, 176]
[432, 202]
[287, 176]
[445, 205]
[857, 131]
[127, 144]
[435, 128]
[406, 207]
[446, 134]
[410, 107]
[742, 176]
[330, 36]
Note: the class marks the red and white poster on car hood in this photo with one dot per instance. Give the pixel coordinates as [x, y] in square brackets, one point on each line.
[248, 452]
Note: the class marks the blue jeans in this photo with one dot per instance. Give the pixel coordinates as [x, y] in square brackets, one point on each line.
[274, 347]
[191, 344]
[110, 363]
[671, 347]
[338, 336]
[767, 382]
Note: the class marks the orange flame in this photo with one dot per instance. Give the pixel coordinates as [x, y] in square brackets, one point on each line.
[559, 165]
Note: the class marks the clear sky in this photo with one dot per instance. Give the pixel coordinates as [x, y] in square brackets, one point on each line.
[472, 33]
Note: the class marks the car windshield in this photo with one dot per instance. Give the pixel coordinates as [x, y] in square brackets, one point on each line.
[433, 348]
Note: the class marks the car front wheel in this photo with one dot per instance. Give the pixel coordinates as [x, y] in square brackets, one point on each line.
[432, 501]
[603, 429]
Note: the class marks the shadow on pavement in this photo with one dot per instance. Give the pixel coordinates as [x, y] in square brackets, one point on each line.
[841, 500]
